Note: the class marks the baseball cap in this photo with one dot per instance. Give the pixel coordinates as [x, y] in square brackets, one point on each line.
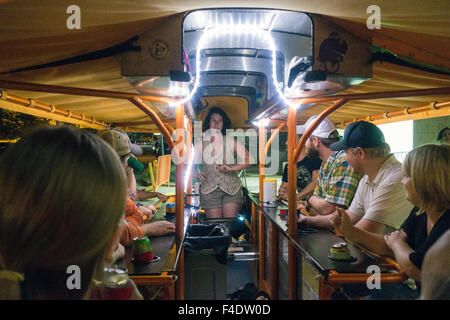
[324, 130]
[118, 140]
[134, 148]
[361, 134]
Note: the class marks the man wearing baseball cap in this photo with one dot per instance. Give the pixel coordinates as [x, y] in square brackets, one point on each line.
[133, 165]
[307, 173]
[134, 219]
[337, 181]
[379, 205]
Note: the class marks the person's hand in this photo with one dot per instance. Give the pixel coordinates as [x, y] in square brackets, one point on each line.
[162, 197]
[395, 237]
[159, 228]
[341, 221]
[147, 210]
[303, 219]
[119, 253]
[301, 205]
[135, 294]
[225, 168]
[282, 194]
[199, 176]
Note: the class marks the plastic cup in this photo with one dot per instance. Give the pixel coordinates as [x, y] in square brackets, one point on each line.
[142, 250]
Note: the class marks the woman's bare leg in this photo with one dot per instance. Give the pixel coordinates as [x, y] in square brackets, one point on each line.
[231, 209]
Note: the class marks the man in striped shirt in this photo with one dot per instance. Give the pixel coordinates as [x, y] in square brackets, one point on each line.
[337, 182]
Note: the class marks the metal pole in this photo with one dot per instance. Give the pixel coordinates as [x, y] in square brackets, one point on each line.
[292, 203]
[261, 227]
[179, 203]
[141, 105]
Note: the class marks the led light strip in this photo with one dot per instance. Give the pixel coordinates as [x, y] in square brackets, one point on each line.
[238, 29]
[191, 158]
[261, 122]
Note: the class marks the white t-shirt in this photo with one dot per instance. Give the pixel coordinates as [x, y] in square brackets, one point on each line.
[383, 200]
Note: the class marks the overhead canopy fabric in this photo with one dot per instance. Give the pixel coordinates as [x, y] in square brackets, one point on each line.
[35, 33]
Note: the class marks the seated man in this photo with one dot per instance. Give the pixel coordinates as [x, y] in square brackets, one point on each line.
[134, 166]
[136, 194]
[307, 173]
[379, 205]
[337, 181]
[134, 219]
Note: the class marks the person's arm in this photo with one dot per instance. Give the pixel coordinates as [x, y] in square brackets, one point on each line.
[198, 175]
[282, 191]
[133, 214]
[159, 228]
[372, 241]
[324, 222]
[118, 253]
[319, 206]
[309, 189]
[133, 222]
[370, 226]
[129, 232]
[131, 182]
[147, 211]
[339, 191]
[396, 241]
[142, 195]
[243, 154]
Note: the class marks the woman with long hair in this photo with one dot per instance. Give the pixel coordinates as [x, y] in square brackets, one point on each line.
[221, 192]
[62, 200]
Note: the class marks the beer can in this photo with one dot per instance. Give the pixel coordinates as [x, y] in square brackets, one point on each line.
[117, 283]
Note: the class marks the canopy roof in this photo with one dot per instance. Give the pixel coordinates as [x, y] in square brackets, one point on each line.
[35, 34]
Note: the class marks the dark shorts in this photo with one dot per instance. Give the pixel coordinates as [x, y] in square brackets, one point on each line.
[217, 198]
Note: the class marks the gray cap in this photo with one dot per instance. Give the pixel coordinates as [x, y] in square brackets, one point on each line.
[325, 128]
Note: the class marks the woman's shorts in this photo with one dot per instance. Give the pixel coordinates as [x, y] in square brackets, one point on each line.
[218, 198]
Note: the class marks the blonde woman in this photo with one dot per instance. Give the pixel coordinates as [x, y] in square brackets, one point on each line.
[62, 199]
[426, 182]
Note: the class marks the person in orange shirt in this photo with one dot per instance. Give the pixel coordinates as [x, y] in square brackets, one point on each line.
[134, 218]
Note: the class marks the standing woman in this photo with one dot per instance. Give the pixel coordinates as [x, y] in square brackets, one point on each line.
[221, 194]
[62, 200]
[426, 182]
